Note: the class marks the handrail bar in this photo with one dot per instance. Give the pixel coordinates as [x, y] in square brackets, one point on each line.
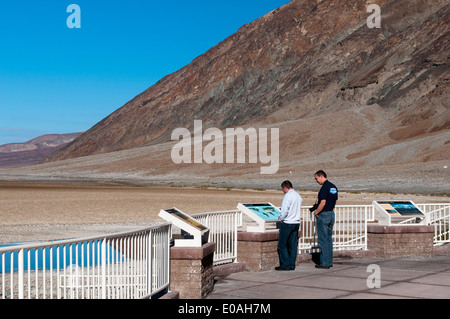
[218, 212]
[54, 243]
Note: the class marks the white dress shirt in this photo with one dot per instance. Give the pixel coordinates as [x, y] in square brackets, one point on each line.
[290, 207]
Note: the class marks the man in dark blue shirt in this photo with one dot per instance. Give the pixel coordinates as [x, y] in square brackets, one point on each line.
[328, 195]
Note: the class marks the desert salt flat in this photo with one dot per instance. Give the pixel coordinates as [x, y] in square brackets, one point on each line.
[42, 212]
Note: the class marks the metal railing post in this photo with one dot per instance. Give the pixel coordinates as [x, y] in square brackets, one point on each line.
[149, 264]
[21, 273]
[103, 267]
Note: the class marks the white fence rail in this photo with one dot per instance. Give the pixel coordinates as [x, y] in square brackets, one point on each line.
[349, 232]
[428, 208]
[126, 265]
[350, 229]
[438, 215]
[223, 231]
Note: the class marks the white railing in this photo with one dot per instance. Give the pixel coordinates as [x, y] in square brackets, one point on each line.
[409, 221]
[126, 265]
[223, 228]
[427, 208]
[438, 215]
[349, 231]
[136, 264]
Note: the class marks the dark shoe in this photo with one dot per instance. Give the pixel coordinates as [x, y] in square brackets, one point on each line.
[322, 266]
[281, 268]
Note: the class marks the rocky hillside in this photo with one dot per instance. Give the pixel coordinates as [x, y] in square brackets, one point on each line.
[368, 105]
[303, 60]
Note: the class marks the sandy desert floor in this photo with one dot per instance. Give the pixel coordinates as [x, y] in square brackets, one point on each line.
[42, 212]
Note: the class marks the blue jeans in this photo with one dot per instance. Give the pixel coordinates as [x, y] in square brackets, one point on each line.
[325, 223]
[288, 245]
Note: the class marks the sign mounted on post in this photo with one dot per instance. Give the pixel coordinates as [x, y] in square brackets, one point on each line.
[398, 213]
[261, 213]
[185, 222]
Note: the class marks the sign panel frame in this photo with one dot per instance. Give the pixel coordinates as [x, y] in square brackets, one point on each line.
[199, 231]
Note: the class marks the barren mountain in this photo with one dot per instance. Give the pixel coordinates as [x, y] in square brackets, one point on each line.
[344, 96]
[301, 60]
[33, 151]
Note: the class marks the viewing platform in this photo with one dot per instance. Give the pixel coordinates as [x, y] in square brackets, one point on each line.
[400, 278]
[222, 255]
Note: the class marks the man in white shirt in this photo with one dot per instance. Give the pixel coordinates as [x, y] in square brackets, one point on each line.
[290, 224]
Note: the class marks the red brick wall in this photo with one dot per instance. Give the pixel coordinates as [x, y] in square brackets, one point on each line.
[191, 271]
[400, 241]
[258, 251]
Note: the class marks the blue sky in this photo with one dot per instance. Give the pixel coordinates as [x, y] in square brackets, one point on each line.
[54, 79]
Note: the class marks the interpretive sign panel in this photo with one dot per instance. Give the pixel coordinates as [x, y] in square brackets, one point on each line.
[399, 212]
[261, 213]
[404, 208]
[188, 224]
[266, 211]
[186, 218]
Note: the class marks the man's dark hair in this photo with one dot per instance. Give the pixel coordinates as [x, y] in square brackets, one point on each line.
[321, 173]
[286, 184]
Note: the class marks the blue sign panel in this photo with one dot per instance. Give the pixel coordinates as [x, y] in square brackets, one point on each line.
[266, 211]
[403, 208]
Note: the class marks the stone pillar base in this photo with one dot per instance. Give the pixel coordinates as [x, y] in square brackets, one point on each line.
[191, 271]
[259, 251]
[400, 241]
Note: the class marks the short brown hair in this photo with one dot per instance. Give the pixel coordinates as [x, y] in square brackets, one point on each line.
[286, 184]
[321, 173]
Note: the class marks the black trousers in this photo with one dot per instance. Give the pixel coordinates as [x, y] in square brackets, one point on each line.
[288, 245]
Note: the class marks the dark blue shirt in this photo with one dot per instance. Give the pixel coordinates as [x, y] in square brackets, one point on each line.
[329, 192]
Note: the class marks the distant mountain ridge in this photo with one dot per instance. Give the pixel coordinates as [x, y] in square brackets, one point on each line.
[33, 151]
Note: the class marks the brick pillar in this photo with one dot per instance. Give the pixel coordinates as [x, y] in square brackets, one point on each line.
[191, 271]
[259, 251]
[400, 241]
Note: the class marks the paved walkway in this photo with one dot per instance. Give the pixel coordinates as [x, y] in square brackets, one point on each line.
[348, 278]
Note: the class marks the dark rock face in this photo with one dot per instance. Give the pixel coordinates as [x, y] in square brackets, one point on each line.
[305, 59]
